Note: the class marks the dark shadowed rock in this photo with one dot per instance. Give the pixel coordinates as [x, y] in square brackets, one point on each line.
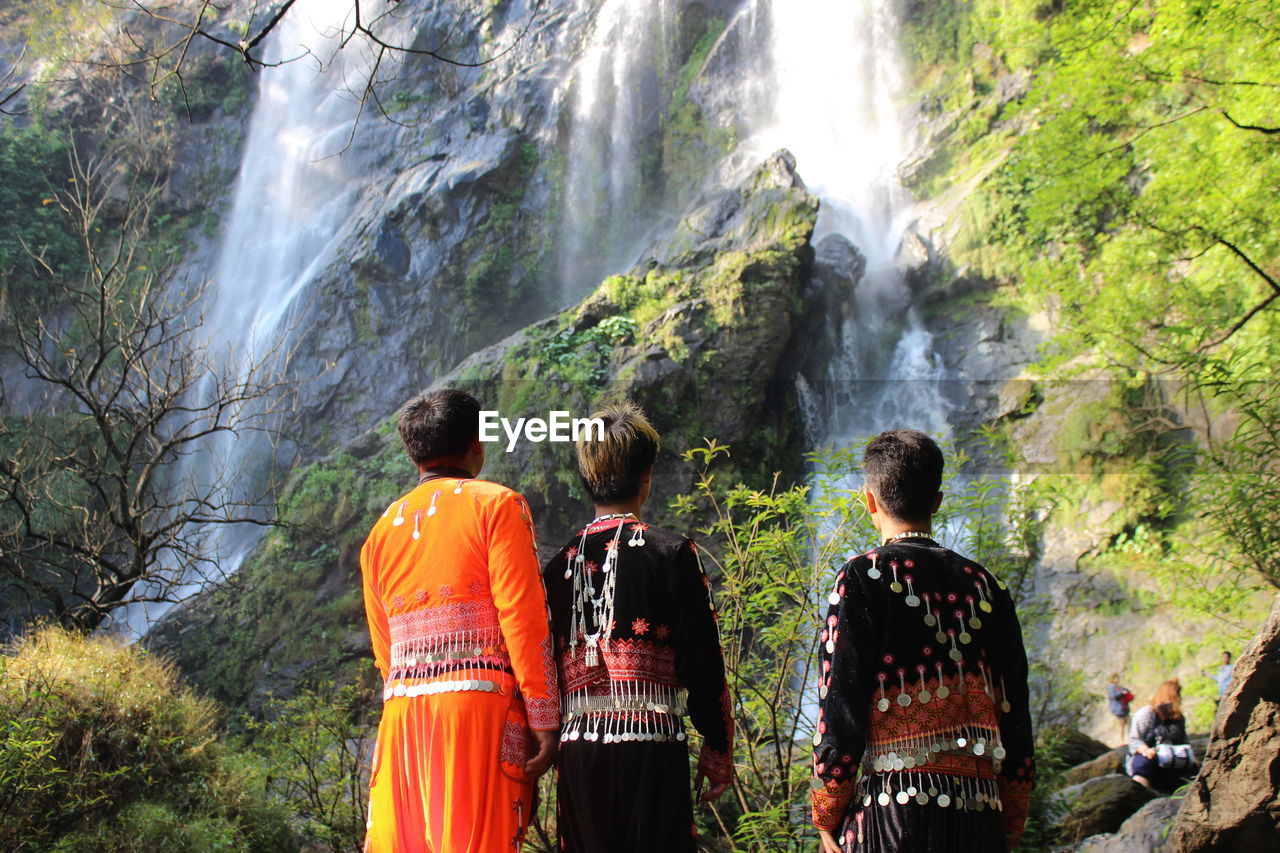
[1100, 805]
[1147, 831]
[1234, 804]
[838, 264]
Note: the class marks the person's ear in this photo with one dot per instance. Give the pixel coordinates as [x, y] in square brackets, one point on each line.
[937, 502]
[870, 500]
[646, 484]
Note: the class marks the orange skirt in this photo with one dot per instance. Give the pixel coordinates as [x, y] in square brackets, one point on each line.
[448, 775]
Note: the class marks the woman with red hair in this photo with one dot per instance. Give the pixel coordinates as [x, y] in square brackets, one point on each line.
[1159, 755]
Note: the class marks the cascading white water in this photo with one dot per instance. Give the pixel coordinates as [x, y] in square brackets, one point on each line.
[614, 90]
[293, 192]
[834, 98]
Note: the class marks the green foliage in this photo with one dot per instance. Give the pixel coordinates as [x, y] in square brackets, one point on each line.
[690, 147]
[317, 747]
[295, 606]
[206, 83]
[581, 356]
[34, 168]
[102, 749]
[1129, 194]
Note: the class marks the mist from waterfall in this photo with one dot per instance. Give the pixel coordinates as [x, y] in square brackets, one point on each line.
[835, 98]
[293, 193]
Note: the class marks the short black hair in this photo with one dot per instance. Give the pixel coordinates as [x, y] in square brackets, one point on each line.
[439, 424]
[612, 466]
[903, 468]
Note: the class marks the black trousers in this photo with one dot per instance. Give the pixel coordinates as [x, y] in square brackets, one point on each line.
[624, 798]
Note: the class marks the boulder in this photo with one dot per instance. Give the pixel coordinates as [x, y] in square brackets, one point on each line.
[1234, 804]
[1109, 763]
[1147, 831]
[1099, 805]
[1071, 746]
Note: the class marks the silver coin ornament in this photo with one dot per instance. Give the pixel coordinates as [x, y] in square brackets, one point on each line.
[943, 691]
[922, 797]
[965, 637]
[940, 637]
[911, 790]
[883, 705]
[924, 696]
[955, 655]
[975, 623]
[873, 573]
[904, 700]
[1005, 706]
[895, 586]
[902, 798]
[999, 753]
[984, 606]
[831, 647]
[944, 800]
[834, 598]
[815, 783]
[883, 798]
[929, 620]
[912, 600]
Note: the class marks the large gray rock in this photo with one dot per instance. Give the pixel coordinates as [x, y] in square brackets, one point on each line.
[1147, 831]
[1100, 805]
[1108, 763]
[1234, 804]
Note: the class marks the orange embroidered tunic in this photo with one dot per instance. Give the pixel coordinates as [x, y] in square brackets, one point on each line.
[458, 618]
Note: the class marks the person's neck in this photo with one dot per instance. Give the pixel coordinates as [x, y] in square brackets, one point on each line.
[460, 464]
[890, 527]
[620, 508]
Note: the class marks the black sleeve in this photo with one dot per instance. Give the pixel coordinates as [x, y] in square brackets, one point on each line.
[1018, 768]
[700, 663]
[849, 643]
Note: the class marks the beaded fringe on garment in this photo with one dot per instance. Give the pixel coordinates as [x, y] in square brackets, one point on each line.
[944, 790]
[446, 649]
[631, 711]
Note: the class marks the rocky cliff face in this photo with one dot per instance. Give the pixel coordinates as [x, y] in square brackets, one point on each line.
[1234, 804]
[708, 332]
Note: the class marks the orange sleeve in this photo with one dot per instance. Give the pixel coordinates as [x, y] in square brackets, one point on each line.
[379, 630]
[515, 577]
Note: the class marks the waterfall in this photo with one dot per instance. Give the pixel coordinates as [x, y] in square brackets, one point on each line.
[615, 90]
[835, 99]
[293, 192]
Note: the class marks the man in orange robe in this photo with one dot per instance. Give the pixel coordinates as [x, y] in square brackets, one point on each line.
[460, 629]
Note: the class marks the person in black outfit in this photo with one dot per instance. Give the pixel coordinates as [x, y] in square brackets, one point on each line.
[923, 739]
[637, 648]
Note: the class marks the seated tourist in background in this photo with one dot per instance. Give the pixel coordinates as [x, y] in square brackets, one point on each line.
[1159, 755]
[922, 685]
[637, 647]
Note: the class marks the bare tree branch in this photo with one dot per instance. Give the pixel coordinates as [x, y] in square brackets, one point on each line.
[1258, 128]
[95, 510]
